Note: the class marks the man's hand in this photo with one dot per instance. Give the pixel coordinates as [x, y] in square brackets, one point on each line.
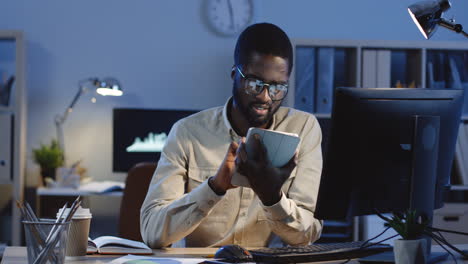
[221, 182]
[265, 180]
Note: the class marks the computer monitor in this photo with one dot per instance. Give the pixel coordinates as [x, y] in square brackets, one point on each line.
[140, 134]
[389, 150]
[384, 146]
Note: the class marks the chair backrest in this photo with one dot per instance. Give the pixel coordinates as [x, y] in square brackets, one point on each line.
[136, 187]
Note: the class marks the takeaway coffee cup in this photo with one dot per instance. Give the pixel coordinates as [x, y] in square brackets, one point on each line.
[77, 241]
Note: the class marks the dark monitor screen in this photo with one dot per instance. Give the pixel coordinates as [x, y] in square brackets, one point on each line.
[373, 148]
[140, 134]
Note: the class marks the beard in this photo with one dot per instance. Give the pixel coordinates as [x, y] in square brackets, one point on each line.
[248, 111]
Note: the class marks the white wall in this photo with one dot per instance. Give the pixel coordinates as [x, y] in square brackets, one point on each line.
[164, 55]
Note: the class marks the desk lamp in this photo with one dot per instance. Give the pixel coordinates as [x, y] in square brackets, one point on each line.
[427, 15]
[105, 87]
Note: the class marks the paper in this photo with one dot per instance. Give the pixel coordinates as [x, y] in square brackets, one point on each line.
[101, 187]
[132, 259]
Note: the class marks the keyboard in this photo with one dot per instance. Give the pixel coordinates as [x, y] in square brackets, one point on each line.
[318, 252]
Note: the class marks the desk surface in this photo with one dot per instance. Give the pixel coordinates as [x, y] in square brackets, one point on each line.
[72, 192]
[17, 255]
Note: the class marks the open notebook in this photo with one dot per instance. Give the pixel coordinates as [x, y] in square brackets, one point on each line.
[117, 245]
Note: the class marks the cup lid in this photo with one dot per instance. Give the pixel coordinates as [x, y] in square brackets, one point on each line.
[81, 213]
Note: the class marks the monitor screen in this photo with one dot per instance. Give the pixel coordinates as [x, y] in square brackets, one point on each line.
[379, 139]
[140, 134]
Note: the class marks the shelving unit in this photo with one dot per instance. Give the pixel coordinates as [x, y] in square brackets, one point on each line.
[322, 65]
[13, 123]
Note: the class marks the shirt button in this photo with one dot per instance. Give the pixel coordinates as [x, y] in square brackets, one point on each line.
[242, 214]
[210, 202]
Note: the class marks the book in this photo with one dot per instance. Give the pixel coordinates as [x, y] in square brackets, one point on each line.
[280, 147]
[117, 246]
[102, 187]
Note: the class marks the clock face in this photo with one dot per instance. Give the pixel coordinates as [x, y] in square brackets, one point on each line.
[229, 17]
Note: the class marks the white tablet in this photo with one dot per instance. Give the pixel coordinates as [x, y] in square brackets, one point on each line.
[280, 147]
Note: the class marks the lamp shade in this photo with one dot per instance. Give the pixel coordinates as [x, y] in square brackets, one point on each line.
[427, 14]
[108, 86]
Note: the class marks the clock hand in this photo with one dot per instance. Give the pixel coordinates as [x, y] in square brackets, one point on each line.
[231, 13]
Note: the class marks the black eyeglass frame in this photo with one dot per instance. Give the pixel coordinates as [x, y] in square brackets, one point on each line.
[264, 84]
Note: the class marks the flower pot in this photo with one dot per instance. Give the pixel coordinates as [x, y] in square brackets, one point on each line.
[410, 251]
[47, 173]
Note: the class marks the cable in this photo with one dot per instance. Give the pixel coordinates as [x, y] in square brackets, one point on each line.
[440, 244]
[443, 240]
[447, 231]
[363, 246]
[376, 243]
[370, 239]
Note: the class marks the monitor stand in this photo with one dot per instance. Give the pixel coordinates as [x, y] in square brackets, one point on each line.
[425, 149]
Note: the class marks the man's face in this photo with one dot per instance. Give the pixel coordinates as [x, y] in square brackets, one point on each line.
[259, 109]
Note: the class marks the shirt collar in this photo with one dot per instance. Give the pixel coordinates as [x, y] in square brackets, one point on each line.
[227, 105]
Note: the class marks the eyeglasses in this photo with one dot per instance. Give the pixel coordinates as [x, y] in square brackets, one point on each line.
[255, 86]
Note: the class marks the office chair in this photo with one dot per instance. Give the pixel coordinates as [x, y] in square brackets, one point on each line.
[136, 187]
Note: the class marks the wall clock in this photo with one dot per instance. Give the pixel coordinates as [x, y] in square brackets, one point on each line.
[229, 17]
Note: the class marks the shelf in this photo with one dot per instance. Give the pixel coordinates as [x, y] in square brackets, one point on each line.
[13, 148]
[459, 188]
[6, 108]
[323, 65]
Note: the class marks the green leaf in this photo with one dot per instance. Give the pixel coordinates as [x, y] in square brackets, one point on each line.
[49, 156]
[409, 225]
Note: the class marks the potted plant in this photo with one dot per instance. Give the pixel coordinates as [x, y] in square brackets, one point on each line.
[49, 158]
[411, 248]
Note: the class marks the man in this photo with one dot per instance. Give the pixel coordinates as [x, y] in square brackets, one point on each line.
[191, 195]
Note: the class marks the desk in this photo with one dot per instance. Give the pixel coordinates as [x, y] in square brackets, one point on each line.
[18, 255]
[62, 195]
[55, 198]
[105, 207]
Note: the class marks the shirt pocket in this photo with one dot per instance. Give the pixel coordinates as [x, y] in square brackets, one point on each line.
[198, 175]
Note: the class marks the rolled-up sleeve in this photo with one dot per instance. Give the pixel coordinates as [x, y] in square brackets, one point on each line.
[168, 214]
[292, 218]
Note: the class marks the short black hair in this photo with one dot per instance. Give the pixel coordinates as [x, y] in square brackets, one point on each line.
[265, 39]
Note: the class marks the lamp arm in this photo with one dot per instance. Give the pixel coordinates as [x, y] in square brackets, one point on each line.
[451, 25]
[60, 119]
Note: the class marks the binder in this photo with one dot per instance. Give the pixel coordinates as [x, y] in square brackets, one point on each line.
[461, 155]
[325, 77]
[305, 79]
[376, 68]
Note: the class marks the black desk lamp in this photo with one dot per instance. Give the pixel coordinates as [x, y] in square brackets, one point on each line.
[105, 87]
[427, 15]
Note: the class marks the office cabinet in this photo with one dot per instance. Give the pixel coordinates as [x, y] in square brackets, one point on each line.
[323, 65]
[453, 216]
[5, 148]
[13, 128]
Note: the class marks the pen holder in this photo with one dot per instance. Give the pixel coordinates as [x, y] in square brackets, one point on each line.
[46, 241]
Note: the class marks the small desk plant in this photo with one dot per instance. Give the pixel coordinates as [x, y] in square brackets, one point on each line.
[414, 230]
[411, 248]
[49, 157]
